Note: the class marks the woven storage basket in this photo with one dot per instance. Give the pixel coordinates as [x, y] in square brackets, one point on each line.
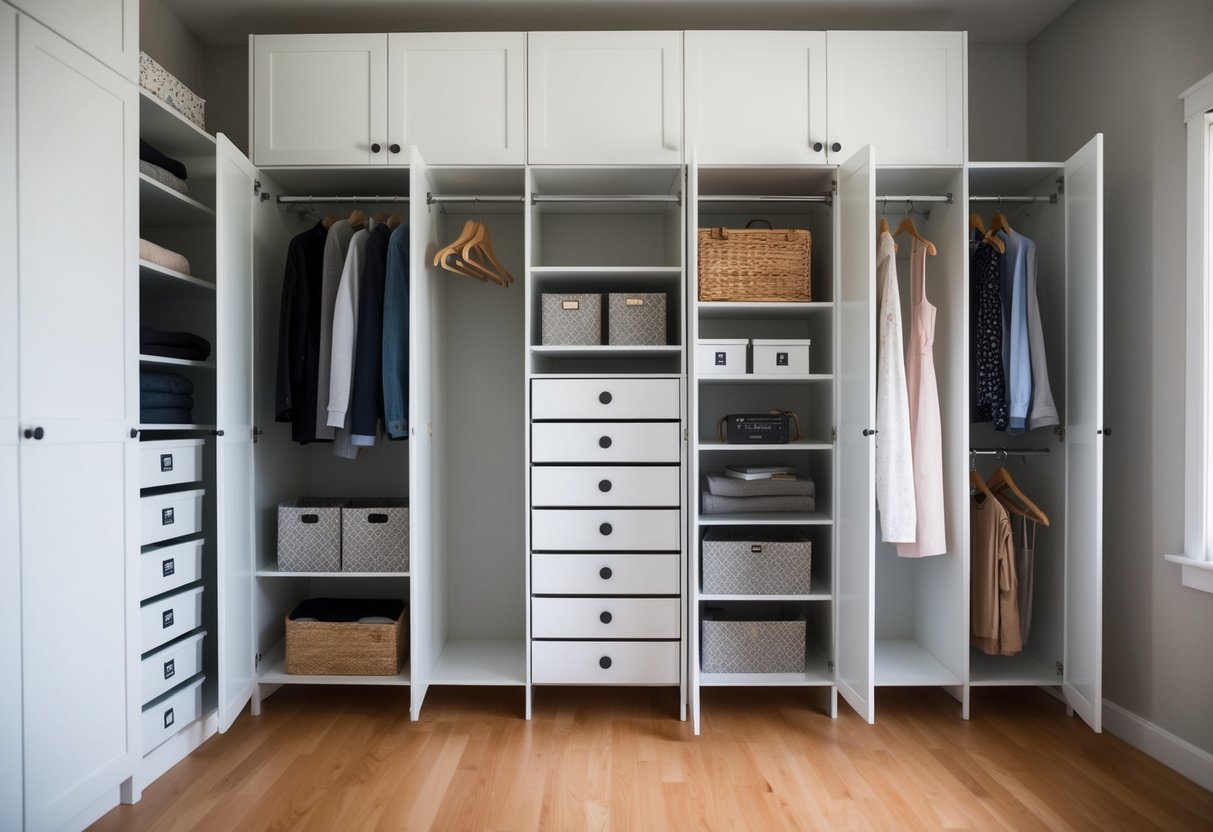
[339, 648]
[754, 264]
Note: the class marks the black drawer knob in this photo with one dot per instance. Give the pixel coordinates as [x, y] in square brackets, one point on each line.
[605, 617]
[34, 433]
[395, 148]
[835, 147]
[376, 147]
[818, 147]
[605, 662]
[604, 442]
[605, 397]
[605, 529]
[604, 486]
[605, 573]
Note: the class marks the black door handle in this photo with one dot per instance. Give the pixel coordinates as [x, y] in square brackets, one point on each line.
[605, 573]
[34, 433]
[376, 147]
[604, 486]
[605, 529]
[605, 617]
[605, 397]
[605, 662]
[818, 147]
[395, 148]
[835, 147]
[604, 442]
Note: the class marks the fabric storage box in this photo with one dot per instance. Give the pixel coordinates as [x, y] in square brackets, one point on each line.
[164, 85]
[347, 637]
[165, 568]
[750, 561]
[375, 536]
[734, 645]
[571, 320]
[170, 463]
[781, 355]
[309, 535]
[165, 516]
[636, 320]
[171, 665]
[164, 718]
[754, 264]
[721, 356]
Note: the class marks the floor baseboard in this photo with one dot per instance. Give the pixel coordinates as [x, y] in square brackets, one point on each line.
[1194, 763]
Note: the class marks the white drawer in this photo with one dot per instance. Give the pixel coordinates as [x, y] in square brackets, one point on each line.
[603, 486]
[170, 617]
[170, 463]
[172, 665]
[605, 617]
[164, 719]
[605, 530]
[606, 442]
[166, 516]
[165, 568]
[605, 398]
[607, 574]
[605, 662]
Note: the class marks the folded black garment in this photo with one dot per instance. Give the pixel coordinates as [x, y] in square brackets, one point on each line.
[163, 381]
[725, 486]
[152, 339]
[347, 609]
[180, 401]
[147, 153]
[165, 416]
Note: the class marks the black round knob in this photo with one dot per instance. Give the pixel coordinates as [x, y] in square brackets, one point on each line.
[605, 529]
[376, 147]
[134, 432]
[34, 433]
[395, 148]
[605, 617]
[605, 397]
[605, 662]
[604, 441]
[605, 573]
[604, 486]
[818, 147]
[835, 147]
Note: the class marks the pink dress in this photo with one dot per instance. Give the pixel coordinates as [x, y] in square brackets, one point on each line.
[926, 435]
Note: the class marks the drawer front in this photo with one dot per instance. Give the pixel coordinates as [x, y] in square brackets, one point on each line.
[605, 530]
[170, 617]
[626, 663]
[605, 442]
[162, 721]
[603, 486]
[165, 568]
[607, 398]
[170, 463]
[607, 574]
[171, 666]
[605, 617]
[166, 516]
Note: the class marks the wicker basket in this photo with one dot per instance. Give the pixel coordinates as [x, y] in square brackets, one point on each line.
[754, 264]
[347, 648]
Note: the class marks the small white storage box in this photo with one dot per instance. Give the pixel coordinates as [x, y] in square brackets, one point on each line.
[375, 536]
[161, 720]
[169, 618]
[170, 463]
[164, 568]
[781, 355]
[309, 535]
[741, 646]
[172, 665]
[166, 516]
[721, 356]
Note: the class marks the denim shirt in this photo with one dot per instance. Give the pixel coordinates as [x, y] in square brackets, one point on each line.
[396, 336]
[1016, 355]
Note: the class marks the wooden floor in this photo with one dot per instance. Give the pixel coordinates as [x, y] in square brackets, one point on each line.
[349, 759]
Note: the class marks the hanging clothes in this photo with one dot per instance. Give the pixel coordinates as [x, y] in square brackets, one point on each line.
[1025, 567]
[299, 334]
[345, 334]
[336, 247]
[1016, 352]
[366, 395]
[396, 336]
[994, 591]
[1044, 411]
[894, 462]
[926, 433]
[989, 389]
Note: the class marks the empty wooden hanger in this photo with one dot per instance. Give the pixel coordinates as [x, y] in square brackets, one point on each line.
[1003, 486]
[479, 254]
[448, 256]
[907, 226]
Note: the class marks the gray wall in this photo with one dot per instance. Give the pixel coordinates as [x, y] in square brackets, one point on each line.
[1118, 66]
[998, 79]
[170, 44]
[227, 83]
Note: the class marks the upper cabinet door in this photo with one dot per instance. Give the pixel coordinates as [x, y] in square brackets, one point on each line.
[756, 96]
[106, 29]
[903, 92]
[319, 99]
[604, 98]
[458, 97]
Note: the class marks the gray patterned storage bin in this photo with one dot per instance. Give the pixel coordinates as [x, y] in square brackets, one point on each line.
[309, 535]
[745, 561]
[636, 319]
[752, 646]
[572, 320]
[375, 536]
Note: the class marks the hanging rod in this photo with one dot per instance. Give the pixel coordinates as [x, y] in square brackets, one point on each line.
[1051, 199]
[823, 198]
[1009, 451]
[944, 198]
[671, 198]
[291, 200]
[432, 198]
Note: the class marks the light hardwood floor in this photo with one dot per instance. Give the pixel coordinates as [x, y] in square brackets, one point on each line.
[349, 759]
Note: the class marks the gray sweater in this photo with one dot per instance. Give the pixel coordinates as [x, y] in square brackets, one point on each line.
[335, 248]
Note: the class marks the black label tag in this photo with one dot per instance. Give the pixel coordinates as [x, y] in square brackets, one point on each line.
[166, 516]
[781, 359]
[169, 719]
[166, 463]
[168, 567]
[166, 619]
[170, 668]
[721, 360]
[756, 548]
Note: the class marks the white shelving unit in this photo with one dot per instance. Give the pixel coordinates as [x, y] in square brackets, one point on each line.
[273, 672]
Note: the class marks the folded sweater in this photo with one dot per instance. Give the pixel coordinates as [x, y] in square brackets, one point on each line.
[716, 504]
[164, 381]
[165, 416]
[725, 486]
[163, 177]
[148, 153]
[161, 256]
[154, 341]
[180, 401]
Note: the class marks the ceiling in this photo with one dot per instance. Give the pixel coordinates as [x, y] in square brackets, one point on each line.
[987, 21]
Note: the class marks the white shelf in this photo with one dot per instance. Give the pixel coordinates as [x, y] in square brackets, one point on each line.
[766, 518]
[605, 272]
[160, 205]
[170, 132]
[798, 445]
[157, 281]
[1009, 671]
[175, 362]
[487, 662]
[729, 310]
[273, 572]
[606, 351]
[813, 596]
[167, 426]
[817, 673]
[273, 672]
[763, 378]
[903, 662]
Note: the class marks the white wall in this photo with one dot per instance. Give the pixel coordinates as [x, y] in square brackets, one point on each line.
[1118, 66]
[998, 78]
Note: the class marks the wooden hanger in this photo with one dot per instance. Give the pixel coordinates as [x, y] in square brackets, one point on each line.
[988, 237]
[999, 223]
[394, 220]
[975, 223]
[448, 256]
[978, 486]
[328, 221]
[884, 225]
[907, 225]
[357, 217]
[480, 255]
[1003, 486]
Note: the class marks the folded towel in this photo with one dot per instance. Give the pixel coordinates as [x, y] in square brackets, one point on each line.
[148, 153]
[724, 486]
[347, 609]
[180, 344]
[153, 253]
[163, 381]
[165, 416]
[179, 401]
[715, 504]
[185, 353]
[163, 177]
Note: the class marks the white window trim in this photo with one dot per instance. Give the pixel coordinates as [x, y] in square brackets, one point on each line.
[1197, 561]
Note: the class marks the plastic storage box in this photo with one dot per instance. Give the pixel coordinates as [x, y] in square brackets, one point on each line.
[781, 355]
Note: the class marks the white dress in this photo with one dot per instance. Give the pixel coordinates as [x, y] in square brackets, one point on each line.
[894, 460]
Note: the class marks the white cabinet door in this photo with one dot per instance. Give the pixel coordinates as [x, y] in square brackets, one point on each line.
[604, 98]
[1083, 648]
[756, 96]
[106, 29]
[77, 313]
[856, 448]
[319, 99]
[903, 92]
[458, 97]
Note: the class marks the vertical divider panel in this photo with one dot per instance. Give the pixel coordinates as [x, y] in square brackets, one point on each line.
[691, 422]
[529, 250]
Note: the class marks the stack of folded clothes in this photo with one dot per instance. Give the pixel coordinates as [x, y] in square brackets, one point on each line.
[782, 492]
[164, 169]
[165, 398]
[185, 345]
[162, 256]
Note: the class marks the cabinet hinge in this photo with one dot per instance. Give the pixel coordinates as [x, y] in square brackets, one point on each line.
[1060, 668]
[1060, 433]
[256, 187]
[257, 432]
[686, 436]
[1061, 184]
[830, 664]
[256, 661]
[833, 186]
[834, 435]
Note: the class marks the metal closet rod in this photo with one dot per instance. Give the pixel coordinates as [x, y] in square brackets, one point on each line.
[1051, 199]
[292, 200]
[944, 198]
[823, 198]
[1010, 451]
[670, 198]
[516, 199]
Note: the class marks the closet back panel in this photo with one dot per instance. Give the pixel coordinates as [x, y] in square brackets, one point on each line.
[607, 239]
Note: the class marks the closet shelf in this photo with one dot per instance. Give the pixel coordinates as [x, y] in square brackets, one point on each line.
[798, 445]
[727, 310]
[481, 662]
[170, 132]
[606, 351]
[273, 572]
[605, 272]
[175, 362]
[156, 426]
[158, 282]
[766, 518]
[817, 673]
[273, 672]
[905, 662]
[764, 378]
[160, 205]
[1008, 671]
[812, 596]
